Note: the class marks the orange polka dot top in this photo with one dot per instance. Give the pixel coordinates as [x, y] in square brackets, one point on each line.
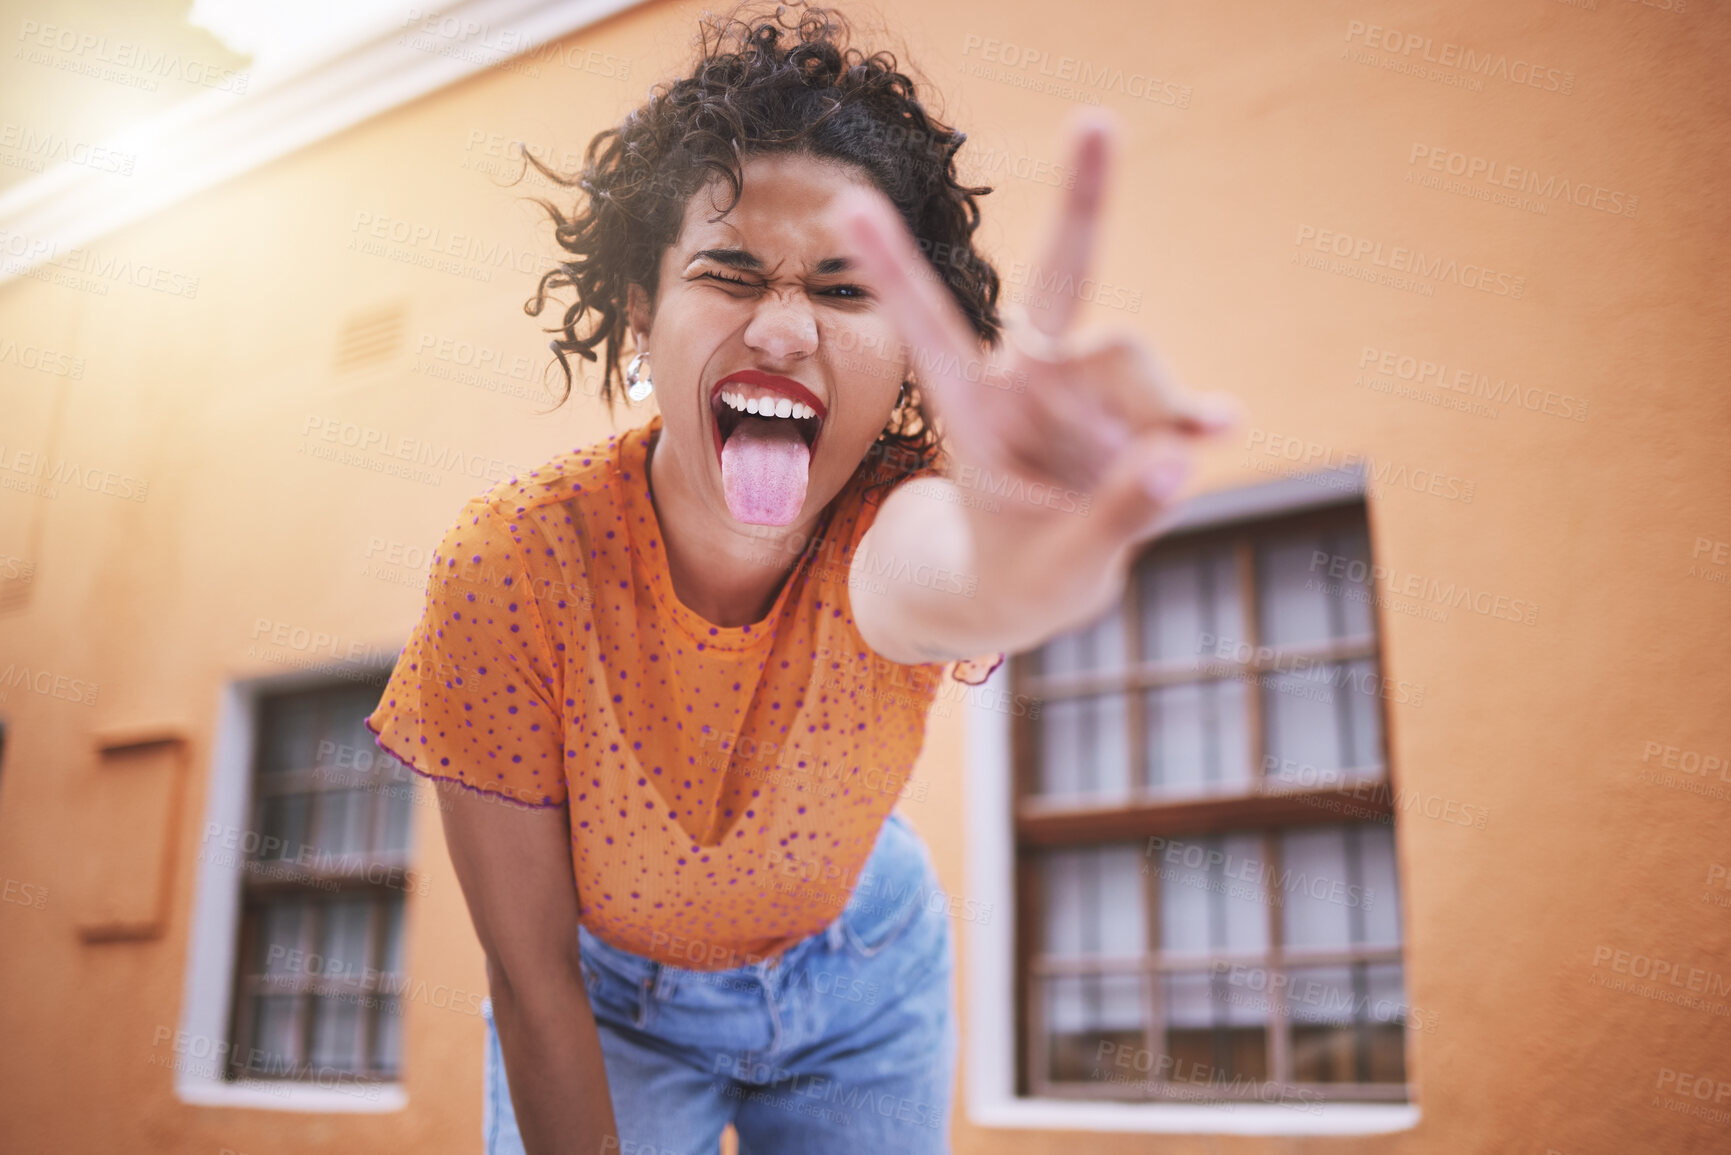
[724, 784]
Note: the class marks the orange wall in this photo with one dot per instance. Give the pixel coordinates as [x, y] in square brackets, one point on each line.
[1276, 133]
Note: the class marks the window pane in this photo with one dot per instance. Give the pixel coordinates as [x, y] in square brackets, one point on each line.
[1185, 597]
[281, 929]
[1314, 879]
[1085, 1012]
[1093, 903]
[1378, 876]
[1211, 894]
[1324, 1043]
[276, 1035]
[391, 956]
[1322, 721]
[1345, 1028]
[344, 948]
[1328, 903]
[342, 823]
[1082, 746]
[284, 819]
[1214, 1031]
[1386, 1023]
[336, 1034]
[387, 1045]
[398, 801]
[1313, 587]
[289, 739]
[1197, 739]
[1096, 646]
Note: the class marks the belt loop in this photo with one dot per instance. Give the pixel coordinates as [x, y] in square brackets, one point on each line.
[833, 934]
[666, 981]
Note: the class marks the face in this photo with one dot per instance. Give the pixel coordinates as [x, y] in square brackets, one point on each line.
[762, 339]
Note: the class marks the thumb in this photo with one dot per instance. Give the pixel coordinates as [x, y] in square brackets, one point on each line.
[1138, 497]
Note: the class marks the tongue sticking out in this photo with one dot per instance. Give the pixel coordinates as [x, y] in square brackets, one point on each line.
[763, 471]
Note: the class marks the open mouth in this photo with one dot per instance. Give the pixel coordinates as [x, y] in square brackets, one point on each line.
[742, 395]
[766, 430]
[727, 419]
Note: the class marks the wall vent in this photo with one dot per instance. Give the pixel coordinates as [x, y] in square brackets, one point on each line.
[15, 590]
[368, 338]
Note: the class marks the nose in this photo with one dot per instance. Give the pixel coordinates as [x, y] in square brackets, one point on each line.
[783, 327]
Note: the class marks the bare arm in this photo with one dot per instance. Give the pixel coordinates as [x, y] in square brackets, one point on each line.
[514, 867]
[978, 582]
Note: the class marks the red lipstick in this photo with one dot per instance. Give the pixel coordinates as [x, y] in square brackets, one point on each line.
[786, 386]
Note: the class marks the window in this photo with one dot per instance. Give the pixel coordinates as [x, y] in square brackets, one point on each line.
[324, 878]
[1207, 898]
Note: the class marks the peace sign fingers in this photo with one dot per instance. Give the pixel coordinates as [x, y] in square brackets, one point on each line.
[1009, 422]
[1014, 411]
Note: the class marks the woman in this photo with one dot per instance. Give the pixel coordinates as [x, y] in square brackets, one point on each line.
[694, 662]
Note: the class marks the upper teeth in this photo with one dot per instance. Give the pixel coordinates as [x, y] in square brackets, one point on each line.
[767, 406]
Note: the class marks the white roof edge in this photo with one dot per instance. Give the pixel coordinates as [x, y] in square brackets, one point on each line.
[217, 135]
[1294, 492]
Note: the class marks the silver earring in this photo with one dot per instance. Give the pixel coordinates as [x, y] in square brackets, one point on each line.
[637, 382]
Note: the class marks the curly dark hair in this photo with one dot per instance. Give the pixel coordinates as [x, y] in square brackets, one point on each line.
[763, 83]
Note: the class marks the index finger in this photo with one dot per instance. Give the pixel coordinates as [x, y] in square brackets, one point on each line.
[919, 304]
[1069, 248]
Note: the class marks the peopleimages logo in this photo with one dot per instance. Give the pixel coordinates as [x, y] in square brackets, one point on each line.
[1661, 970]
[1065, 70]
[1311, 456]
[1357, 572]
[35, 150]
[1392, 363]
[122, 62]
[1400, 259]
[1212, 863]
[1497, 175]
[1448, 54]
[42, 360]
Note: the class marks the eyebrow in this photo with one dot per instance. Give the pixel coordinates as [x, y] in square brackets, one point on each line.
[749, 262]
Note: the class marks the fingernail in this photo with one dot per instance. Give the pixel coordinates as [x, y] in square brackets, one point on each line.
[1165, 478]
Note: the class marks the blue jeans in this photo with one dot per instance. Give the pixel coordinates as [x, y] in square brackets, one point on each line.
[845, 1045]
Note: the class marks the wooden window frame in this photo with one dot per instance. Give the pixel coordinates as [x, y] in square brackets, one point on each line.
[321, 884]
[1267, 808]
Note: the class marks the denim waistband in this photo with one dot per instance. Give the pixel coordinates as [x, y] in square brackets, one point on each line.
[898, 868]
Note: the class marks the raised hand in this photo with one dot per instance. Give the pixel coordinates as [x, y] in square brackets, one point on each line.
[1095, 412]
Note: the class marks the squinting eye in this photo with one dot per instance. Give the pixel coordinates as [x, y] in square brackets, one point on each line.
[729, 280]
[854, 291]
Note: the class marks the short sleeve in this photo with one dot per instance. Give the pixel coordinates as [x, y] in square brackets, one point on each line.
[475, 694]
